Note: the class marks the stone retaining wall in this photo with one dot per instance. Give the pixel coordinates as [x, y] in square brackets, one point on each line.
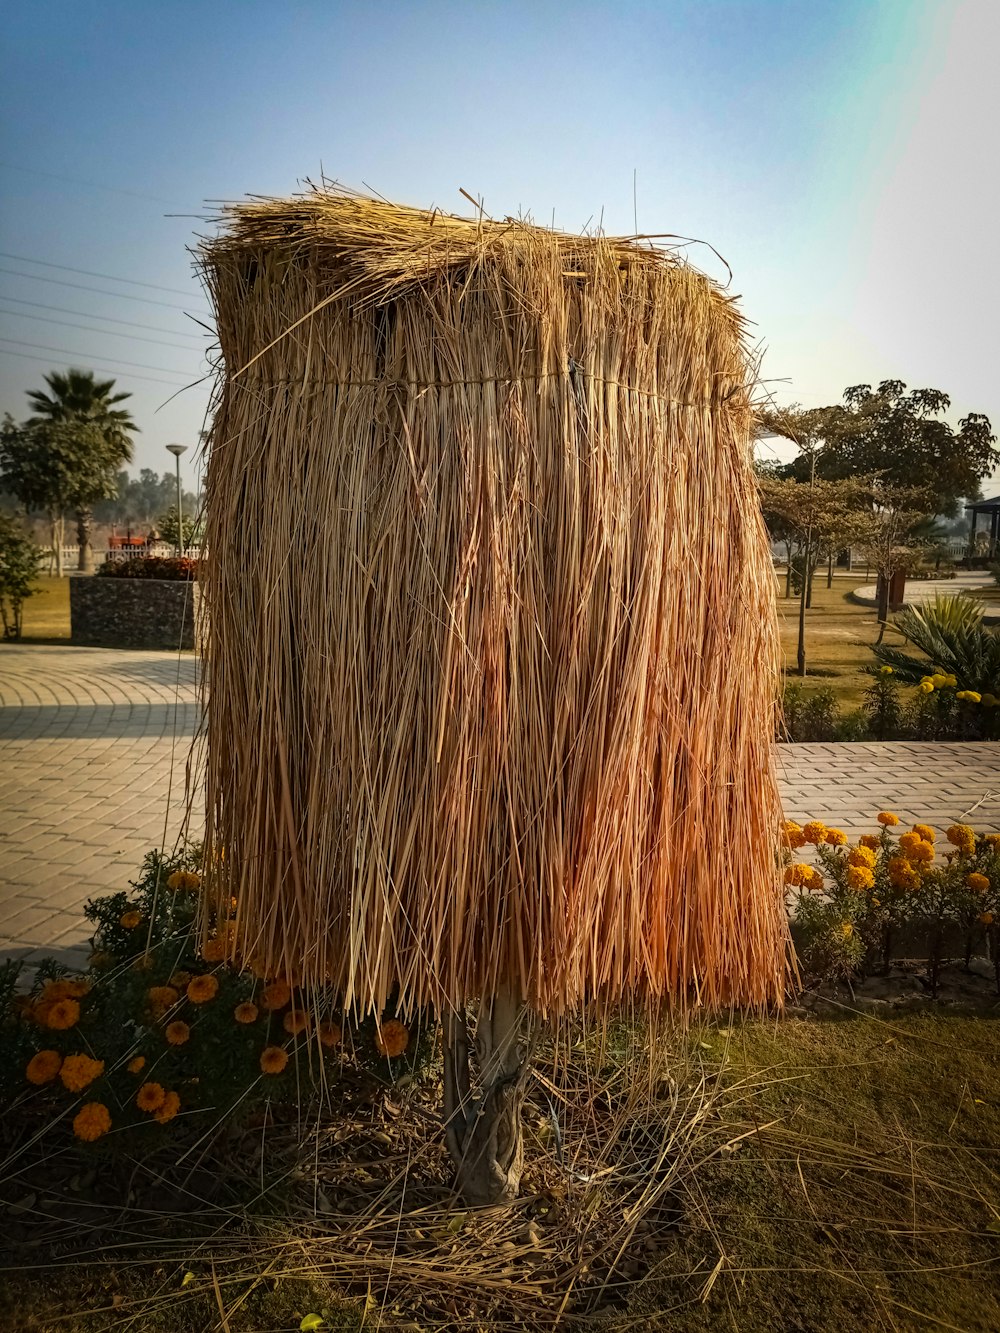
[134, 613]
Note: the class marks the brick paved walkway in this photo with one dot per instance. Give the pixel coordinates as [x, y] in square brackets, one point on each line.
[94, 743]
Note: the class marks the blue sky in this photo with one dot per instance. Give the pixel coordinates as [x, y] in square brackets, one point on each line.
[839, 153]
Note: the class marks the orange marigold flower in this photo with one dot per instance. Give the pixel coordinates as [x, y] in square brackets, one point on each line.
[330, 1034]
[791, 834]
[276, 995]
[977, 883]
[136, 1065]
[887, 818]
[908, 841]
[836, 837]
[814, 831]
[924, 851]
[901, 873]
[177, 1033]
[246, 1012]
[150, 1097]
[296, 1021]
[201, 989]
[62, 1014]
[79, 1071]
[392, 1038]
[129, 920]
[180, 980]
[273, 1059]
[171, 1105]
[162, 998]
[993, 840]
[986, 918]
[814, 879]
[861, 856]
[860, 877]
[184, 880]
[43, 1067]
[58, 990]
[961, 836]
[91, 1121]
[870, 840]
[213, 951]
[925, 831]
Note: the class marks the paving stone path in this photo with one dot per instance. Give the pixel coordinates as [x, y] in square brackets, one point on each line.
[94, 744]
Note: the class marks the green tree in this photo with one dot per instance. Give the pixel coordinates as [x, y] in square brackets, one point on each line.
[89, 407]
[167, 524]
[18, 570]
[898, 436]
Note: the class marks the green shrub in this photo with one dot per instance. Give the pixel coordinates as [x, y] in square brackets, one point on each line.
[19, 559]
[177, 569]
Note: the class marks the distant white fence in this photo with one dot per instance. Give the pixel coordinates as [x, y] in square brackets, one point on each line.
[71, 554]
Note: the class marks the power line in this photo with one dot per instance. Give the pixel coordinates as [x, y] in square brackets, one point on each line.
[90, 328]
[101, 291]
[90, 314]
[90, 185]
[72, 365]
[89, 356]
[89, 273]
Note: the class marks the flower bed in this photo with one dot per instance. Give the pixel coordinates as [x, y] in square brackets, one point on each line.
[853, 908]
[160, 1032]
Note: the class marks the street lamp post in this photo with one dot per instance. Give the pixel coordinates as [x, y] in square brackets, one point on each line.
[177, 450]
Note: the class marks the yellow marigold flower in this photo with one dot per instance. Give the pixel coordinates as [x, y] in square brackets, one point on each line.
[201, 989]
[213, 951]
[129, 920]
[939, 680]
[926, 686]
[814, 831]
[836, 837]
[79, 1071]
[177, 1033]
[885, 671]
[887, 818]
[986, 918]
[798, 874]
[246, 1013]
[861, 856]
[150, 1097]
[187, 880]
[330, 1034]
[171, 1105]
[62, 1015]
[296, 1021]
[951, 681]
[136, 1065]
[924, 851]
[870, 840]
[993, 840]
[846, 929]
[392, 1038]
[860, 877]
[962, 837]
[273, 1059]
[969, 696]
[791, 834]
[276, 995]
[91, 1121]
[43, 1067]
[901, 874]
[977, 883]
[924, 831]
[814, 879]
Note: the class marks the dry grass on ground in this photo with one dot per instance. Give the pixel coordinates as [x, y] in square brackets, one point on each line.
[839, 635]
[46, 613]
[814, 1174]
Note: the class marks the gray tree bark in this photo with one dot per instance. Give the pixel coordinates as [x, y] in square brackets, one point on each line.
[85, 563]
[483, 1128]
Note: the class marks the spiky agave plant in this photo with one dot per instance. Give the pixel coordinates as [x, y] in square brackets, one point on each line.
[950, 636]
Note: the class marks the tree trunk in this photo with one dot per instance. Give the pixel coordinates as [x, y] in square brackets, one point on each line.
[483, 1128]
[85, 564]
[810, 575]
[57, 526]
[788, 569]
[803, 592]
[882, 595]
[829, 570]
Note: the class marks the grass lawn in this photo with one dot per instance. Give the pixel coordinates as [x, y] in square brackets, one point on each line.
[46, 613]
[839, 634]
[823, 1174]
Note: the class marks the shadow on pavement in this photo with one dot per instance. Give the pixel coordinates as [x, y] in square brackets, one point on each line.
[98, 721]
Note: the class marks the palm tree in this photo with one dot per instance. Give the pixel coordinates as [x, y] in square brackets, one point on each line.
[78, 399]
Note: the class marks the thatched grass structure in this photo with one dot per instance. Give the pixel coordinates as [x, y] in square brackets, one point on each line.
[492, 646]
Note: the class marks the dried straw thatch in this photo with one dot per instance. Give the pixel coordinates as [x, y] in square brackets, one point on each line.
[492, 649]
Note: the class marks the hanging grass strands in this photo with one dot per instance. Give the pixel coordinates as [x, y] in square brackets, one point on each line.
[491, 648]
